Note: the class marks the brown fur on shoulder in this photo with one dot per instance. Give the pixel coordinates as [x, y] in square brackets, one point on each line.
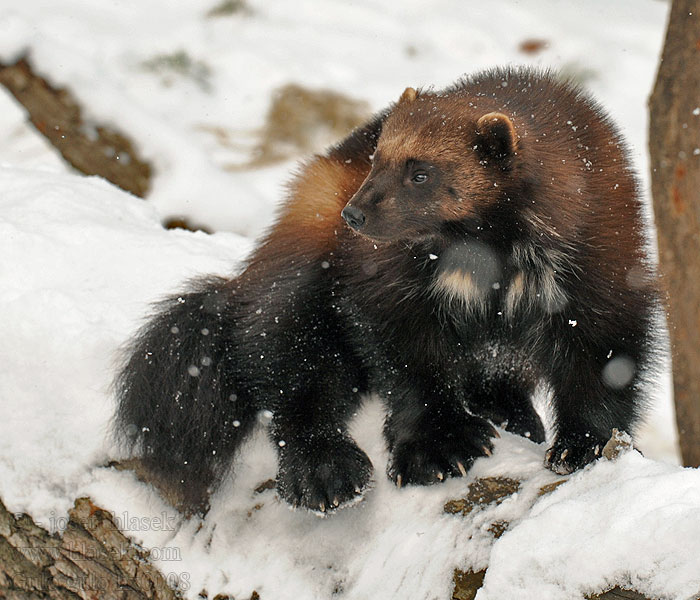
[318, 194]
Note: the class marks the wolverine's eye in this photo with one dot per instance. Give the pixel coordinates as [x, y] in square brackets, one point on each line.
[419, 177]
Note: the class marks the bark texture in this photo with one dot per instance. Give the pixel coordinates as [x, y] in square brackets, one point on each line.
[91, 559]
[674, 143]
[90, 148]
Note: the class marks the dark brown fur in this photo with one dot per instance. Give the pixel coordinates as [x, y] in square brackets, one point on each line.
[501, 245]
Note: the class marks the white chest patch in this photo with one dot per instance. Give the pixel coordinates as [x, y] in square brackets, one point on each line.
[524, 291]
[460, 287]
[515, 293]
[471, 275]
[468, 272]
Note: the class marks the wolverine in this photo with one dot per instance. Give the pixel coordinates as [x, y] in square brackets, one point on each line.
[458, 251]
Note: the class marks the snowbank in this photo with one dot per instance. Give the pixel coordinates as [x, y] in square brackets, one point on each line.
[73, 288]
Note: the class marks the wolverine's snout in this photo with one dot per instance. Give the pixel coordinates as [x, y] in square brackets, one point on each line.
[354, 217]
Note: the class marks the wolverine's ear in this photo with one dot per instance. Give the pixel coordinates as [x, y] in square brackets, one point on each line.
[409, 95]
[496, 135]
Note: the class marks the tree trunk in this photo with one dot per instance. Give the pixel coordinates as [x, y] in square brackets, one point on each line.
[674, 142]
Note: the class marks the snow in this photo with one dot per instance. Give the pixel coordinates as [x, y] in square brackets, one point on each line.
[83, 261]
[617, 522]
[72, 289]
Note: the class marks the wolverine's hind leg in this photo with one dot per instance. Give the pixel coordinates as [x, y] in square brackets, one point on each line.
[320, 465]
[319, 382]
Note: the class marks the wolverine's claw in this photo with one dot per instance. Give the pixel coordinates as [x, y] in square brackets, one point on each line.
[461, 468]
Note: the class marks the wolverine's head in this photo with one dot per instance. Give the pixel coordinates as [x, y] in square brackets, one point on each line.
[438, 161]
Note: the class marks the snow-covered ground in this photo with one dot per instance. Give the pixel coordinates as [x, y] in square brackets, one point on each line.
[81, 261]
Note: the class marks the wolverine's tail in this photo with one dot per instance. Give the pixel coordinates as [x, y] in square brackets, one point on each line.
[182, 408]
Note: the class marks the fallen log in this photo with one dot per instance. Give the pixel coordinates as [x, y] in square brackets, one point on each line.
[90, 148]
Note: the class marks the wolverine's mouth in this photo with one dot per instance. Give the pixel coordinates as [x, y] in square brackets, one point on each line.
[379, 239]
[409, 239]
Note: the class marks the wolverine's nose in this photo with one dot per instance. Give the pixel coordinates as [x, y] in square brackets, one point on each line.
[353, 216]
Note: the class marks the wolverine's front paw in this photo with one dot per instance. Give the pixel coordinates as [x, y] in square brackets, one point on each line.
[448, 451]
[322, 474]
[572, 453]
